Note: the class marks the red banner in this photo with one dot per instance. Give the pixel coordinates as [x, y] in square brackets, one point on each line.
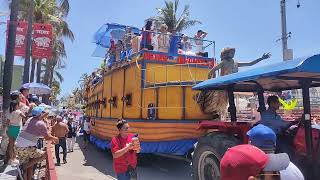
[42, 41]
[201, 61]
[20, 45]
[155, 56]
[196, 60]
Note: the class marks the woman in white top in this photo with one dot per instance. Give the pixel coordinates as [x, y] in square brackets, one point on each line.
[15, 123]
[163, 39]
[199, 41]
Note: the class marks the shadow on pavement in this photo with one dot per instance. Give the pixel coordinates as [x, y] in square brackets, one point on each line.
[97, 158]
[156, 168]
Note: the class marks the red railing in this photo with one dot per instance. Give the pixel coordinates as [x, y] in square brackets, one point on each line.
[51, 173]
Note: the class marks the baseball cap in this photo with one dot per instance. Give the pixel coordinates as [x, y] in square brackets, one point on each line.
[262, 136]
[14, 95]
[34, 98]
[37, 111]
[242, 161]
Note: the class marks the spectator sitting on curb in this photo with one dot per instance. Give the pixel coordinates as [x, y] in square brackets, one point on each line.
[26, 142]
[264, 138]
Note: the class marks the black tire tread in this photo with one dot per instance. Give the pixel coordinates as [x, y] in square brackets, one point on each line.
[216, 142]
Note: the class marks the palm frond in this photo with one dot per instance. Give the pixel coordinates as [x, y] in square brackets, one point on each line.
[65, 6]
[176, 5]
[169, 15]
[58, 76]
[66, 32]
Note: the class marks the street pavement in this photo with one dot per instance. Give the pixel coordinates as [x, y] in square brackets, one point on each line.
[95, 164]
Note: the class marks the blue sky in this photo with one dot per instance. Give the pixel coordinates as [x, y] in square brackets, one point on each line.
[251, 26]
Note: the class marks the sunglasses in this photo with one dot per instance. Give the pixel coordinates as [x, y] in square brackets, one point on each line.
[273, 175]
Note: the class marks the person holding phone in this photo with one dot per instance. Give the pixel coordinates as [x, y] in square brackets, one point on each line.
[124, 148]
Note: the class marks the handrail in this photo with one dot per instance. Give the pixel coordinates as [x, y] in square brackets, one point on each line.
[51, 173]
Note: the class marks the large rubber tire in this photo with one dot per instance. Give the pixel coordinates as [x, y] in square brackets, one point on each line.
[208, 152]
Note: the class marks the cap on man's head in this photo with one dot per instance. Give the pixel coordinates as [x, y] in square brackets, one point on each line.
[34, 98]
[37, 111]
[242, 161]
[262, 136]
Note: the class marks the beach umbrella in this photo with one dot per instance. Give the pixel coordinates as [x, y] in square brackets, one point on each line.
[38, 88]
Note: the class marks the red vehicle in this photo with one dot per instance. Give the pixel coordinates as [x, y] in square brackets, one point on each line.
[302, 73]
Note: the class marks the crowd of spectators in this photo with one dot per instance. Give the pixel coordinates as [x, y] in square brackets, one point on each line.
[160, 40]
[30, 123]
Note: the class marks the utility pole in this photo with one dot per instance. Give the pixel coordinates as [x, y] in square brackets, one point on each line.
[26, 69]
[8, 65]
[287, 54]
[284, 37]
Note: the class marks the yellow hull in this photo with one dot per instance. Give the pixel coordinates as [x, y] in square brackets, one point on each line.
[148, 131]
[128, 91]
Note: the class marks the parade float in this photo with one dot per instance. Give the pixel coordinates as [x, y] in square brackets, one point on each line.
[153, 91]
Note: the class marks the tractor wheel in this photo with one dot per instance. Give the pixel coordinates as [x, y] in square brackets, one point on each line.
[208, 152]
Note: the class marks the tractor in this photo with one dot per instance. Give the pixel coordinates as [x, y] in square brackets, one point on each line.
[302, 73]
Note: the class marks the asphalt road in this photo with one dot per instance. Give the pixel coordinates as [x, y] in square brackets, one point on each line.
[94, 164]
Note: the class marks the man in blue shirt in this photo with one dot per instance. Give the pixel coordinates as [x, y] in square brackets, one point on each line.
[270, 117]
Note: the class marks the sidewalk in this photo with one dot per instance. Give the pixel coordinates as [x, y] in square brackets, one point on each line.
[85, 164]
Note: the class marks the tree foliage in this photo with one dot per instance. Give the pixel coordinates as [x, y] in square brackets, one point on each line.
[53, 12]
[169, 15]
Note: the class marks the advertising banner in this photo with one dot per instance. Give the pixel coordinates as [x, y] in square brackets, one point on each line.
[42, 41]
[20, 45]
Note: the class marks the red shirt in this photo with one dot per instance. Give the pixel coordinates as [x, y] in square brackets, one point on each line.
[24, 100]
[120, 164]
[147, 37]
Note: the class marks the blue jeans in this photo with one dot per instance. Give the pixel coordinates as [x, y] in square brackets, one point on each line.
[123, 176]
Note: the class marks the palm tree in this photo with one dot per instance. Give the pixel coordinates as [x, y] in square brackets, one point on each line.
[84, 84]
[56, 90]
[77, 95]
[54, 13]
[169, 15]
[84, 79]
[56, 76]
[8, 65]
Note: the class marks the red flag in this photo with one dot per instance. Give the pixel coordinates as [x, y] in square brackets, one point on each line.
[20, 45]
[42, 41]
